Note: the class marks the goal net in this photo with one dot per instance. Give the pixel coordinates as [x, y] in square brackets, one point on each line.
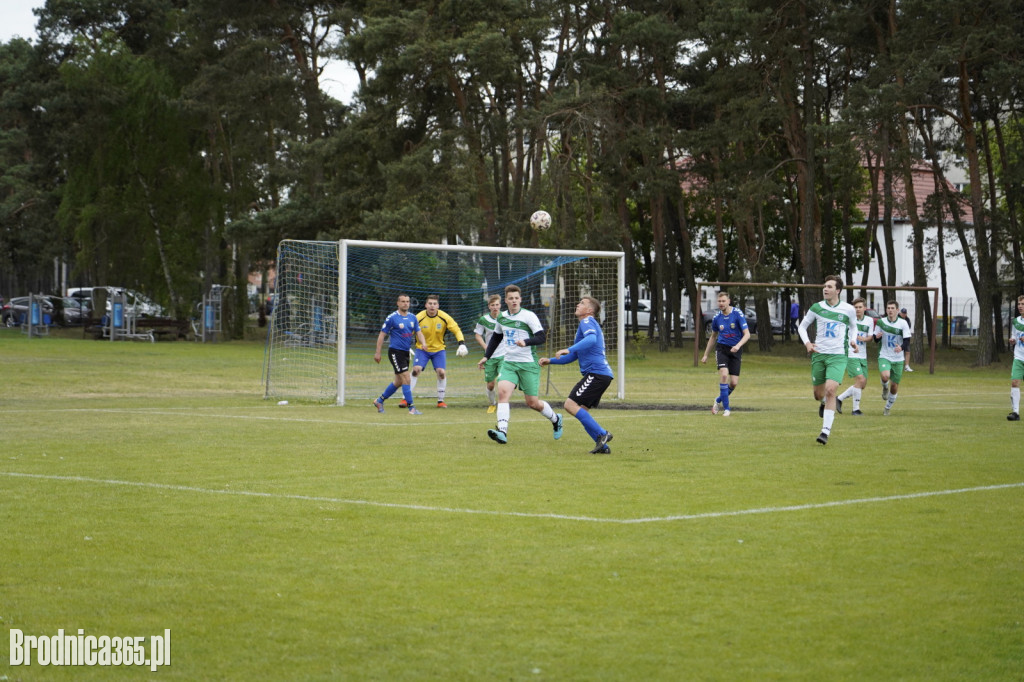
[320, 350]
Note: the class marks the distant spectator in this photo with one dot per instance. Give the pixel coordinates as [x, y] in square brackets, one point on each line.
[794, 316]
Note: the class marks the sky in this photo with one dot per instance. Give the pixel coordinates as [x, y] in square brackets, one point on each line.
[16, 19]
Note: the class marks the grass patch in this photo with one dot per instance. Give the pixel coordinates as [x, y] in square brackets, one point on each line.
[149, 486]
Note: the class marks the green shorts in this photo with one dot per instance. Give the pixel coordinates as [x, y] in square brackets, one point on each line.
[491, 369]
[1017, 372]
[827, 368]
[525, 375]
[895, 369]
[856, 367]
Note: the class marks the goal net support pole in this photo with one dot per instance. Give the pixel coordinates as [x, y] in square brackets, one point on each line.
[700, 340]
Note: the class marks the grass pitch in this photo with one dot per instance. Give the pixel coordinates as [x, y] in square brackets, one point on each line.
[149, 486]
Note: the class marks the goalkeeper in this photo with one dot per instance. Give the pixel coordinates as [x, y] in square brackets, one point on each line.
[435, 323]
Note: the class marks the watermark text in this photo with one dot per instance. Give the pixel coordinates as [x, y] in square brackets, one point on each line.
[89, 650]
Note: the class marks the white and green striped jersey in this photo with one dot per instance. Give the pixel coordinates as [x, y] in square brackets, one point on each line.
[485, 328]
[893, 334]
[834, 327]
[865, 330]
[1017, 334]
[522, 325]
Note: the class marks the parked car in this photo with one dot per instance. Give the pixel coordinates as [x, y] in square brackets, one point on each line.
[778, 326]
[62, 310]
[136, 303]
[14, 312]
[643, 314]
[75, 310]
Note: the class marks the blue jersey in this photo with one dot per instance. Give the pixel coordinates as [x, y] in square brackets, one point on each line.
[588, 348]
[401, 330]
[729, 327]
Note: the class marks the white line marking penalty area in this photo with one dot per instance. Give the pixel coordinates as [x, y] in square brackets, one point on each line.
[514, 514]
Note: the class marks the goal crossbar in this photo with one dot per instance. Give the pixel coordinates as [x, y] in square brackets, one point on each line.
[789, 285]
[332, 297]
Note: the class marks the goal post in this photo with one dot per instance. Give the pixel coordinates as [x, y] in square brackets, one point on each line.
[733, 287]
[331, 299]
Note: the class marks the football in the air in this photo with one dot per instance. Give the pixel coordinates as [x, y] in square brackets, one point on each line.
[540, 220]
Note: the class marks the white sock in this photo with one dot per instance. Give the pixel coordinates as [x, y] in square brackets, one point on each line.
[442, 384]
[503, 410]
[885, 385]
[826, 423]
[847, 393]
[412, 382]
[1015, 399]
[890, 401]
[491, 398]
[856, 398]
[547, 412]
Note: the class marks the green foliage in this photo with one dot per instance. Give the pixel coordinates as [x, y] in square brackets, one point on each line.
[182, 142]
[136, 199]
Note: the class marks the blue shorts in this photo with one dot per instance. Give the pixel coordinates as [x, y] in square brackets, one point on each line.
[423, 357]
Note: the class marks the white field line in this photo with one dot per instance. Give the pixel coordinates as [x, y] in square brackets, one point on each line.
[528, 515]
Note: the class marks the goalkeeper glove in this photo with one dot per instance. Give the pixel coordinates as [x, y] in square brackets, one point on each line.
[462, 351]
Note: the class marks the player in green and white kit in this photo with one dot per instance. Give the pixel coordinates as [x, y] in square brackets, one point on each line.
[895, 333]
[484, 330]
[1017, 373]
[520, 331]
[857, 363]
[835, 335]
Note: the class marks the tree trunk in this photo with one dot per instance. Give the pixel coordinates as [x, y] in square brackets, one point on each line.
[983, 290]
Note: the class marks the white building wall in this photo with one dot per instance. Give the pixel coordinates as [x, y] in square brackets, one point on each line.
[958, 281]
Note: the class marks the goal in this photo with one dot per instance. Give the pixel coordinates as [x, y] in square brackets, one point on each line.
[331, 298]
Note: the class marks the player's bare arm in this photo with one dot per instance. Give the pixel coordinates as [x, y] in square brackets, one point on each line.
[707, 349]
[746, 337]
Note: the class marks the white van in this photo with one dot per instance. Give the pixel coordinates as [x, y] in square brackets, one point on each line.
[136, 303]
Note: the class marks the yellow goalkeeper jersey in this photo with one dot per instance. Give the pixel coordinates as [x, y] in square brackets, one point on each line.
[434, 329]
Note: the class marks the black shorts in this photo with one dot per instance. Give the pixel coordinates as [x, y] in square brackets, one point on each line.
[726, 358]
[399, 360]
[589, 390]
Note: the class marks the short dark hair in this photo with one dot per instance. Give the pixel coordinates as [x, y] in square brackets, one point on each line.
[512, 287]
[403, 294]
[894, 302]
[595, 305]
[857, 300]
[433, 297]
[837, 279]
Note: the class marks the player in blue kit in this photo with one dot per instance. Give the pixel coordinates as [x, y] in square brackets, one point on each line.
[588, 349]
[729, 333]
[400, 328]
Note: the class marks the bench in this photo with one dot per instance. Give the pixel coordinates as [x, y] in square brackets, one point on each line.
[163, 326]
[144, 328]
